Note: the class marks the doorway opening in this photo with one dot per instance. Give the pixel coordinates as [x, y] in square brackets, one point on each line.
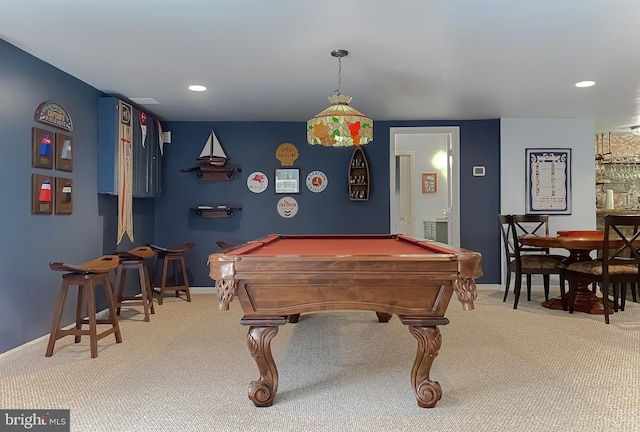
[425, 183]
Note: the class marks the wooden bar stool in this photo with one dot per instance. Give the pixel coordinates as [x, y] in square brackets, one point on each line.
[135, 259]
[86, 276]
[176, 256]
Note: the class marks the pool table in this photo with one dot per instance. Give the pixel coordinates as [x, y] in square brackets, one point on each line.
[281, 276]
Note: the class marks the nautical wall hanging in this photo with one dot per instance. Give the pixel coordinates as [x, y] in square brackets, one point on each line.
[213, 161]
[125, 172]
[54, 114]
[143, 127]
[41, 194]
[287, 154]
[160, 137]
[42, 148]
[212, 152]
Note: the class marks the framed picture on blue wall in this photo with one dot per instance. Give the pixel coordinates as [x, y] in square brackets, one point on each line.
[64, 152]
[287, 180]
[548, 181]
[42, 147]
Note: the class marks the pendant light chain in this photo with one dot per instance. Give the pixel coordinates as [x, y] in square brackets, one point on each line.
[337, 91]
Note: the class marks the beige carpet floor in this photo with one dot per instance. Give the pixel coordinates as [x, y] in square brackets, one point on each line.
[188, 369]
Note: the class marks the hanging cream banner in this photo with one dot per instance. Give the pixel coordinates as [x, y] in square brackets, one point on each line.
[125, 172]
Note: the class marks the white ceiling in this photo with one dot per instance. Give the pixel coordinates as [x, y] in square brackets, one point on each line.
[409, 59]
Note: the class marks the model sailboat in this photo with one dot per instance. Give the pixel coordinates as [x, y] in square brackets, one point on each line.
[213, 162]
[212, 152]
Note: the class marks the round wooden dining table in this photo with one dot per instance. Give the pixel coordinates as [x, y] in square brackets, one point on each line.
[580, 244]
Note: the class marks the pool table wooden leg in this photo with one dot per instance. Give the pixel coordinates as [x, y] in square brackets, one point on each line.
[294, 318]
[383, 317]
[425, 330]
[261, 331]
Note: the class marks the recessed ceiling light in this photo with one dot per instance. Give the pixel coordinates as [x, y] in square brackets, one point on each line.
[585, 84]
[197, 88]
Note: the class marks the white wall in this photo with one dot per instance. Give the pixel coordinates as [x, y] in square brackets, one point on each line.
[518, 134]
[424, 148]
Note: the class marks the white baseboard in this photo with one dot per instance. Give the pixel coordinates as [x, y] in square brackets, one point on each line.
[202, 290]
[489, 287]
[34, 345]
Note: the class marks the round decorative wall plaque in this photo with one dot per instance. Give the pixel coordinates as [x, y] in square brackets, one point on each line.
[287, 207]
[317, 181]
[257, 182]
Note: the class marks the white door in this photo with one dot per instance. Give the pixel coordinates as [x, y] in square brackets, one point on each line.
[436, 150]
[405, 184]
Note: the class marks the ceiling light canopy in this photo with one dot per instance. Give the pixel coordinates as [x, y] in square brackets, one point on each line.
[340, 125]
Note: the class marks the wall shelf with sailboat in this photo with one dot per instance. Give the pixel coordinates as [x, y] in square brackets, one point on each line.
[213, 162]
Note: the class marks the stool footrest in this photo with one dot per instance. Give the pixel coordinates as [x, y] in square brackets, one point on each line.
[85, 332]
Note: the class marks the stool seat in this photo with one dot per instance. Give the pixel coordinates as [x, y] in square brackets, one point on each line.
[226, 246]
[175, 255]
[85, 276]
[134, 259]
[138, 252]
[176, 249]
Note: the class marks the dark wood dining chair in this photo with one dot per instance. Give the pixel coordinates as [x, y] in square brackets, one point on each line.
[619, 265]
[526, 260]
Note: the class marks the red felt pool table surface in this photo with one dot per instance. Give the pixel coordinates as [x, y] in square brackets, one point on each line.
[361, 245]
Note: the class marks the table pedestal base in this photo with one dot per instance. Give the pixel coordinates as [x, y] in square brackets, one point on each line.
[586, 301]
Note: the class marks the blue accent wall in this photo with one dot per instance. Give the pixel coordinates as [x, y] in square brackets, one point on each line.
[252, 147]
[28, 287]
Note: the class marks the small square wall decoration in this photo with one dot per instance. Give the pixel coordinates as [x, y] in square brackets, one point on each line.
[429, 183]
[64, 196]
[64, 152]
[42, 143]
[42, 194]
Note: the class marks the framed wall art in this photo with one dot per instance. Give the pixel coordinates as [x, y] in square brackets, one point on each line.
[287, 180]
[429, 183]
[41, 194]
[63, 196]
[42, 148]
[548, 181]
[64, 152]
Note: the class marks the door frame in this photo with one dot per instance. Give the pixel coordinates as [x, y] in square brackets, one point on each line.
[453, 180]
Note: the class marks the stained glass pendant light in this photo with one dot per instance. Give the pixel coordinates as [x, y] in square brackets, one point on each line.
[340, 125]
